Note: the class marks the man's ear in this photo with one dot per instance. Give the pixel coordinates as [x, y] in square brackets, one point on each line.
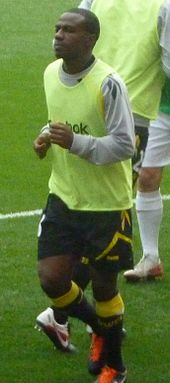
[90, 40]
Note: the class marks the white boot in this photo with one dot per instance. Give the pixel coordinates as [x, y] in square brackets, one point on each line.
[147, 268]
[58, 333]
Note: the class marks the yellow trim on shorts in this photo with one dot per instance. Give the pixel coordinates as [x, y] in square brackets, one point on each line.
[113, 307]
[113, 242]
[85, 260]
[67, 298]
[125, 217]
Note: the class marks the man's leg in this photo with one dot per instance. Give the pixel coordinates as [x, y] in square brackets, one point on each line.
[82, 278]
[55, 277]
[53, 319]
[148, 201]
[81, 274]
[56, 272]
[109, 310]
[149, 210]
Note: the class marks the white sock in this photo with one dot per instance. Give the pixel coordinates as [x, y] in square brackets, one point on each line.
[149, 210]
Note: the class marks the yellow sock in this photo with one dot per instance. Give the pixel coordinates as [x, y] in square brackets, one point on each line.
[114, 306]
[67, 298]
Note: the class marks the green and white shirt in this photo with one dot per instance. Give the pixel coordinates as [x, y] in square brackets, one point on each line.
[151, 21]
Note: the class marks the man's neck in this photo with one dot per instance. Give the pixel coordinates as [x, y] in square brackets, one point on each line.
[77, 67]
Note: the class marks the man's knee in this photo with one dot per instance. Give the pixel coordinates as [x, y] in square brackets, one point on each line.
[149, 179]
[50, 283]
[55, 280]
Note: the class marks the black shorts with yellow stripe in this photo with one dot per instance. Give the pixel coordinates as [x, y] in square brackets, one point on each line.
[141, 138]
[103, 239]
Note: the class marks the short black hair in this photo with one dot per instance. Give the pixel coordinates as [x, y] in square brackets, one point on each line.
[91, 21]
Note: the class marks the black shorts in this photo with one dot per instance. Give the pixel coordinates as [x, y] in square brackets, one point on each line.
[104, 238]
[141, 136]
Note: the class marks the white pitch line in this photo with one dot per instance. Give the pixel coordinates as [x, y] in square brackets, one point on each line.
[39, 211]
[166, 197]
[21, 214]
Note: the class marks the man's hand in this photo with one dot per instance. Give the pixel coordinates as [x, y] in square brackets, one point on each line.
[61, 135]
[42, 144]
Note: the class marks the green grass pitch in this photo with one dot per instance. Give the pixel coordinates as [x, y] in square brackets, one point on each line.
[25, 355]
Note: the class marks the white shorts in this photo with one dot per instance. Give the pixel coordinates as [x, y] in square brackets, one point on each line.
[157, 153]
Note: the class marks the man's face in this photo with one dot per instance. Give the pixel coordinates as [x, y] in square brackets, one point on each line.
[70, 37]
